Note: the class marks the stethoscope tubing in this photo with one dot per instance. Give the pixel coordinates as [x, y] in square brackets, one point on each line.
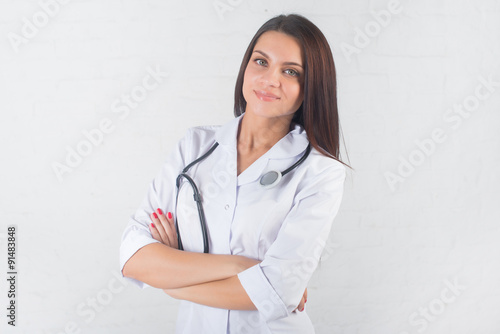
[201, 213]
[197, 199]
[197, 196]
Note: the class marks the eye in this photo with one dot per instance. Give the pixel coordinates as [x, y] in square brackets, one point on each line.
[260, 62]
[292, 72]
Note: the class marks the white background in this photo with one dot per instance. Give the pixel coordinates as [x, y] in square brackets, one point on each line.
[394, 251]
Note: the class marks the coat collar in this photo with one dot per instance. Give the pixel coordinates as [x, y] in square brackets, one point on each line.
[291, 145]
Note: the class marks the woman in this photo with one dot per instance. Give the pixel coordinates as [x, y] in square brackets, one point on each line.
[265, 241]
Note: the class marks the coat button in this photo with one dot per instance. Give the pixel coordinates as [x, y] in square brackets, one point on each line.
[226, 207]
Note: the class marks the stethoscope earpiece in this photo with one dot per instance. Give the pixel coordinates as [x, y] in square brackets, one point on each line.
[270, 179]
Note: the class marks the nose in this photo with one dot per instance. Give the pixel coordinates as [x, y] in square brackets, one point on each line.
[272, 77]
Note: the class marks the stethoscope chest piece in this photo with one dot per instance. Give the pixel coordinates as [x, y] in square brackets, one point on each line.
[270, 179]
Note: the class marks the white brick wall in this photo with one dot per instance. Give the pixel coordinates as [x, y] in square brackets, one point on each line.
[399, 251]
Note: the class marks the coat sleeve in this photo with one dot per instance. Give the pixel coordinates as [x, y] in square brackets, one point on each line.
[276, 285]
[161, 194]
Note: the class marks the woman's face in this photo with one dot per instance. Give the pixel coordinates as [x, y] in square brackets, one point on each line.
[274, 78]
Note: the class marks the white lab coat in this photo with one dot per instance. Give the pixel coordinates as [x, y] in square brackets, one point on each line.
[286, 227]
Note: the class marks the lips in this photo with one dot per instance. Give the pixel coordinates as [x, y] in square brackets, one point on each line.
[266, 96]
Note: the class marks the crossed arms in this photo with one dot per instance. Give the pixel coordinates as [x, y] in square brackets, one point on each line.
[207, 279]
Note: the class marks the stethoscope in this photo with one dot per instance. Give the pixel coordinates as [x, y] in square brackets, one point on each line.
[267, 181]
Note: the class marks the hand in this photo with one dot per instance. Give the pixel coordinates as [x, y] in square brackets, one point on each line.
[163, 228]
[302, 302]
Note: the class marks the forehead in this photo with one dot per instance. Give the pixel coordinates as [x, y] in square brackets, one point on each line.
[280, 46]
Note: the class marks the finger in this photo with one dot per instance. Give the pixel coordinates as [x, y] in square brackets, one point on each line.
[305, 296]
[159, 227]
[154, 232]
[167, 227]
[301, 305]
[172, 233]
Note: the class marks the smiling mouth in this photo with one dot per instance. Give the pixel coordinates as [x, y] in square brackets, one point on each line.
[264, 96]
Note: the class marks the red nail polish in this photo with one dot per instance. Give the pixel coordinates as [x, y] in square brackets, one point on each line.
[170, 215]
[159, 211]
[154, 214]
[152, 225]
[305, 301]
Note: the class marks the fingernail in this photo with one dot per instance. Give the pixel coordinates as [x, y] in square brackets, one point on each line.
[302, 310]
[154, 214]
[305, 301]
[159, 211]
[169, 215]
[152, 225]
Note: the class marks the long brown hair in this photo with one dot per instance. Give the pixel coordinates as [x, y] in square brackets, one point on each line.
[318, 113]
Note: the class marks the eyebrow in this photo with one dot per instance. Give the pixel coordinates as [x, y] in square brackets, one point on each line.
[285, 63]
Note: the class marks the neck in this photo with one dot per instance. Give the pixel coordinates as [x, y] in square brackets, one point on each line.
[261, 133]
